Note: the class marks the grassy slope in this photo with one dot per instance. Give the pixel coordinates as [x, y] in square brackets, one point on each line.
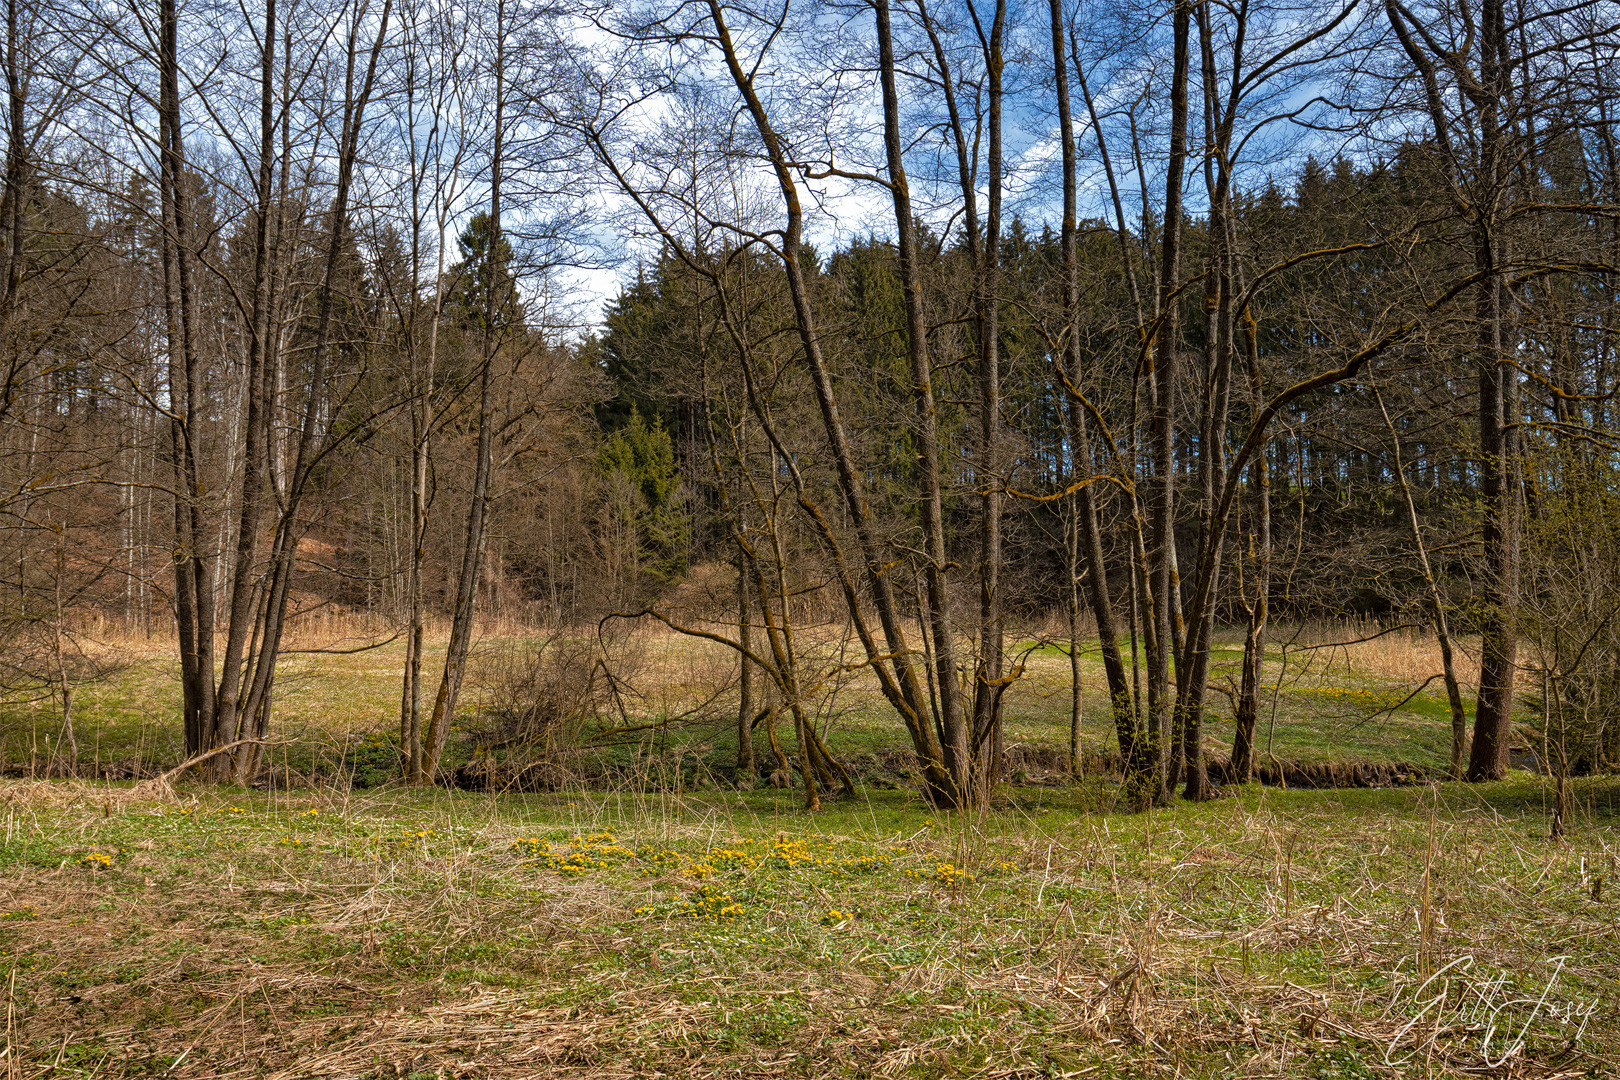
[433, 934]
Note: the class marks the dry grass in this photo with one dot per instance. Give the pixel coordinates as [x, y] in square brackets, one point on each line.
[1368, 934]
[1403, 657]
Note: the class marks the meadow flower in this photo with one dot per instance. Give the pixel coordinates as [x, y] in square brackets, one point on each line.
[862, 864]
[731, 859]
[597, 851]
[943, 873]
[708, 902]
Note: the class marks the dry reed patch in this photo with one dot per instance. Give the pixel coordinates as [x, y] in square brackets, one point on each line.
[1402, 657]
[24, 795]
[677, 674]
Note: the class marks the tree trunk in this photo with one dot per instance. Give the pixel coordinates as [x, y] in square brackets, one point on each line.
[1437, 607]
[1247, 713]
[1124, 697]
[1164, 579]
[1072, 569]
[959, 757]
[987, 684]
[241, 623]
[1493, 713]
[459, 646]
[14, 196]
[745, 703]
[1498, 419]
[422, 425]
[193, 579]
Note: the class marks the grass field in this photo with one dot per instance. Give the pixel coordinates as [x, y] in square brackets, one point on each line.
[636, 926]
[1417, 932]
[1322, 704]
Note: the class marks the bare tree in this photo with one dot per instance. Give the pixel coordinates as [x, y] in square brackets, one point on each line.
[1482, 79]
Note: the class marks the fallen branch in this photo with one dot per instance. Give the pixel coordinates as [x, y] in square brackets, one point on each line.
[163, 778]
